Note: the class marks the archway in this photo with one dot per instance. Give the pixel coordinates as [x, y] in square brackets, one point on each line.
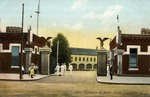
[95, 66]
[81, 66]
[89, 66]
[74, 66]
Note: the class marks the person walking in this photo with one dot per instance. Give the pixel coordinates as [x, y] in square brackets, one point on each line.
[62, 69]
[65, 69]
[111, 72]
[22, 70]
[70, 69]
[57, 69]
[32, 71]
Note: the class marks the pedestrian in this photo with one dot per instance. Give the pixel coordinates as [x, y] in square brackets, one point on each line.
[65, 69]
[22, 70]
[111, 72]
[62, 69]
[29, 70]
[57, 69]
[70, 69]
[32, 71]
[35, 69]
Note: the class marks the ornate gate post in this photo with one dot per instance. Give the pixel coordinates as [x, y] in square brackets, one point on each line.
[102, 63]
[102, 59]
[119, 60]
[45, 60]
[28, 58]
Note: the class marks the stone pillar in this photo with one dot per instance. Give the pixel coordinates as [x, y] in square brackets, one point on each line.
[102, 62]
[119, 61]
[92, 66]
[85, 66]
[45, 60]
[77, 66]
[28, 57]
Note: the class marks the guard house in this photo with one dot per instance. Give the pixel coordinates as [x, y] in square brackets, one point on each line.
[130, 53]
[10, 48]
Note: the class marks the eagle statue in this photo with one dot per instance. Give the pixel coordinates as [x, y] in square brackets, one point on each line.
[102, 41]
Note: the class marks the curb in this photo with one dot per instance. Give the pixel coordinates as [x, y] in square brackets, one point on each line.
[24, 79]
[119, 83]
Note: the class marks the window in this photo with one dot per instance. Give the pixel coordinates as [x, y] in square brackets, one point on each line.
[83, 59]
[94, 59]
[75, 58]
[15, 56]
[87, 59]
[91, 59]
[79, 58]
[0, 48]
[133, 58]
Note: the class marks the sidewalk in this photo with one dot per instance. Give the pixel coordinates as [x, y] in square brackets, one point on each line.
[16, 77]
[124, 80]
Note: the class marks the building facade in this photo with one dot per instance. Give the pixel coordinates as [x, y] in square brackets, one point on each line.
[130, 54]
[12, 29]
[84, 59]
[10, 51]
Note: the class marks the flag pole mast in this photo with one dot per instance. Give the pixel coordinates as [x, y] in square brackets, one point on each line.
[21, 61]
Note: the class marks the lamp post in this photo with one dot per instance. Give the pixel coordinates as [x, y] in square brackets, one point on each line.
[21, 61]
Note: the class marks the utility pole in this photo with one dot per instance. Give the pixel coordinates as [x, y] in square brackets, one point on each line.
[21, 61]
[38, 12]
[57, 50]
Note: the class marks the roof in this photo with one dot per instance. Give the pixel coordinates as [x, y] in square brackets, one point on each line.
[83, 51]
[135, 35]
[7, 38]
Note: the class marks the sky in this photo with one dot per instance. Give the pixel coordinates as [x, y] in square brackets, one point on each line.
[81, 21]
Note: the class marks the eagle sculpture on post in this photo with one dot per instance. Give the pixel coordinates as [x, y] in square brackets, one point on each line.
[102, 41]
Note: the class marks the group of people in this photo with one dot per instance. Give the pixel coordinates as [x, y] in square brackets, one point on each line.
[61, 70]
[33, 69]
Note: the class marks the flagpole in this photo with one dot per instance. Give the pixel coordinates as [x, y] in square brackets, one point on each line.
[21, 61]
[38, 12]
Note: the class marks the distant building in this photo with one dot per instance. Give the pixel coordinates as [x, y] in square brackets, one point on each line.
[11, 29]
[10, 48]
[83, 59]
[145, 31]
[131, 56]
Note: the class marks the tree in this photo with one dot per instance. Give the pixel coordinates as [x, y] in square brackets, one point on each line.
[64, 51]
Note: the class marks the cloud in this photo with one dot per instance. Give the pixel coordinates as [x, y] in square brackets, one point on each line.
[78, 4]
[78, 26]
[109, 12]
[54, 24]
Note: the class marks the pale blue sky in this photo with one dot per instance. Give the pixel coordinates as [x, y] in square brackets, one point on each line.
[78, 19]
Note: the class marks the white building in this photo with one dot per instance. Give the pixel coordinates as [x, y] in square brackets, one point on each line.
[84, 59]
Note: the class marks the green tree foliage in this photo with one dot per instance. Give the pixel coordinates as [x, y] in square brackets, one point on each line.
[64, 51]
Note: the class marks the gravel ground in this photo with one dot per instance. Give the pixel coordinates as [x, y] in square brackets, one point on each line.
[80, 84]
[76, 77]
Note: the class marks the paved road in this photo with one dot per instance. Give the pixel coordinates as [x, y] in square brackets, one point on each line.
[77, 77]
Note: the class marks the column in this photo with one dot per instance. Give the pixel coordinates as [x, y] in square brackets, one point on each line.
[77, 66]
[45, 60]
[102, 63]
[85, 66]
[28, 57]
[119, 61]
